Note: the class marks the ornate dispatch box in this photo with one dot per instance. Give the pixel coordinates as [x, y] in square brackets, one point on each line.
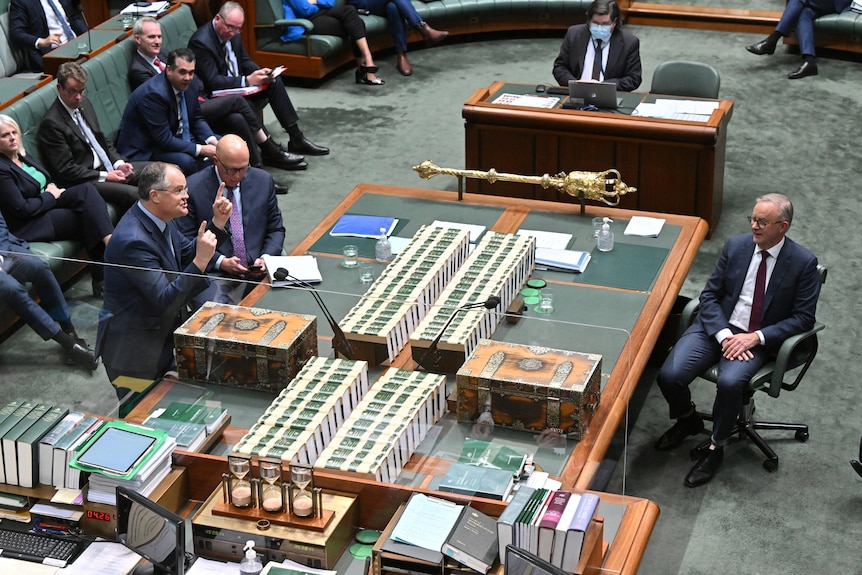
[530, 388]
[244, 347]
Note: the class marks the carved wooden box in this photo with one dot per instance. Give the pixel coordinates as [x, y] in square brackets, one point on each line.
[530, 388]
[244, 347]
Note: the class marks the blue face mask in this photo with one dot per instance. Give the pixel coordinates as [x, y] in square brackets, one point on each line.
[600, 31]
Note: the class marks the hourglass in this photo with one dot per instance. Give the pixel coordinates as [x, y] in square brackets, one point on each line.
[271, 486]
[300, 490]
[239, 491]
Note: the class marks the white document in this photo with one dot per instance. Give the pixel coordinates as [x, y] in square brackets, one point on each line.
[145, 8]
[103, 558]
[204, 566]
[526, 100]
[426, 522]
[644, 227]
[242, 91]
[397, 244]
[563, 259]
[303, 268]
[700, 107]
[474, 229]
[553, 240]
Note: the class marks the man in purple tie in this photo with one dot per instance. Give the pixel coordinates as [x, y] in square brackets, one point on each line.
[763, 290]
[255, 227]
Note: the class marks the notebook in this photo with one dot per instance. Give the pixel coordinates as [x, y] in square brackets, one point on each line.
[598, 94]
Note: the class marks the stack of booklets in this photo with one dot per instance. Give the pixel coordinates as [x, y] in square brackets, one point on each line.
[567, 260]
[189, 423]
[361, 226]
[548, 523]
[15, 507]
[23, 424]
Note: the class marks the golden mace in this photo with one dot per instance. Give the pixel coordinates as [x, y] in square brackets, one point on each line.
[604, 186]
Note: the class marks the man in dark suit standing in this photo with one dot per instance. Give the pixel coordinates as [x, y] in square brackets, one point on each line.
[37, 27]
[224, 63]
[256, 226]
[162, 120]
[225, 114]
[155, 273]
[763, 290]
[75, 149]
[600, 50]
[18, 265]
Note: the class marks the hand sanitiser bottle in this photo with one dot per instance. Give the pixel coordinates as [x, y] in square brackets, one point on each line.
[250, 564]
[383, 249]
[605, 241]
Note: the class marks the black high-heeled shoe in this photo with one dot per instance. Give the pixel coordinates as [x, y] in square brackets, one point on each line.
[362, 76]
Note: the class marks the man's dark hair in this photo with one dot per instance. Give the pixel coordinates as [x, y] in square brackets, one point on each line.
[602, 7]
[153, 177]
[71, 70]
[181, 53]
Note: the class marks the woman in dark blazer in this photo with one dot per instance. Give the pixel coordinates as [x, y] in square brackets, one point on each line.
[38, 211]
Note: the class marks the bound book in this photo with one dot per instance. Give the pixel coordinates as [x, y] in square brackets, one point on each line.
[189, 436]
[27, 445]
[10, 441]
[64, 450]
[473, 540]
[478, 481]
[548, 524]
[506, 522]
[15, 412]
[46, 445]
[585, 512]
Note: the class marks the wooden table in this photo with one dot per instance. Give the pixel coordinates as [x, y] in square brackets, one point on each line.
[677, 166]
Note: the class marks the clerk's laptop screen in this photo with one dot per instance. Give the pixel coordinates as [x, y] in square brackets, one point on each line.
[598, 94]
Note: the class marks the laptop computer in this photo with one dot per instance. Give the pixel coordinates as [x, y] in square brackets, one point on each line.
[598, 94]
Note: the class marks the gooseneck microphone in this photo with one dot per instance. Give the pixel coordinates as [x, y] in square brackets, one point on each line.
[79, 8]
[433, 351]
[340, 342]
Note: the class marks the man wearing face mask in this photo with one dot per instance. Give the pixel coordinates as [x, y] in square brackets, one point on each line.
[600, 50]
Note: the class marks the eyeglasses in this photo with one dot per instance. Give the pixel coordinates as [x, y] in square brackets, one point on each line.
[176, 192]
[80, 92]
[760, 222]
[232, 171]
[232, 28]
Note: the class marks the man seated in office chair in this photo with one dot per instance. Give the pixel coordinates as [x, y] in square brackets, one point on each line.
[763, 290]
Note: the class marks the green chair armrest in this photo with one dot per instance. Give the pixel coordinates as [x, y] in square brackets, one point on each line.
[281, 22]
[787, 359]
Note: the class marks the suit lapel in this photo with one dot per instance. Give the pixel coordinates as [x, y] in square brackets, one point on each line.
[779, 272]
[169, 262]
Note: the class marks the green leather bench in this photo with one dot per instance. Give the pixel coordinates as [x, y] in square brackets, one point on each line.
[314, 55]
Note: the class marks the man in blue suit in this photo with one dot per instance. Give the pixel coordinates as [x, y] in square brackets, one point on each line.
[800, 15]
[255, 218]
[36, 28]
[163, 121]
[18, 265]
[763, 290]
[153, 273]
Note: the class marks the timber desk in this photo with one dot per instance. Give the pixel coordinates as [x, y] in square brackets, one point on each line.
[630, 290]
[677, 166]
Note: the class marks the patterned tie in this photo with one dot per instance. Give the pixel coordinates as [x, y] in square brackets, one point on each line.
[230, 60]
[759, 293]
[236, 233]
[184, 117]
[159, 64]
[597, 61]
[94, 143]
[67, 30]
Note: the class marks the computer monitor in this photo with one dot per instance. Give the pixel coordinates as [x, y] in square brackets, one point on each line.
[521, 562]
[151, 531]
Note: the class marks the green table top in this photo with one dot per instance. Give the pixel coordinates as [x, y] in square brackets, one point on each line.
[92, 40]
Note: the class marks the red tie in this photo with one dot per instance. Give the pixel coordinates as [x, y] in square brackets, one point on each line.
[759, 291]
[159, 64]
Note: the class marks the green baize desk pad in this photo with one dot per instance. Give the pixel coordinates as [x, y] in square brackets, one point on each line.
[95, 39]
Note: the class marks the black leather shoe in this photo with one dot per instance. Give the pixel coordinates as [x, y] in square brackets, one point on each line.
[807, 68]
[857, 466]
[673, 437]
[280, 190]
[98, 288]
[307, 147]
[762, 48]
[82, 355]
[704, 470]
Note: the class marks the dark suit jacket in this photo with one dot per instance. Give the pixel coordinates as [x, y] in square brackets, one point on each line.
[263, 228]
[211, 67]
[150, 121]
[9, 242]
[64, 147]
[145, 298]
[21, 197]
[624, 58]
[140, 70]
[791, 296]
[27, 23]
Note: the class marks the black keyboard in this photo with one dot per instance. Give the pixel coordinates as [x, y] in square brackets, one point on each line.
[38, 548]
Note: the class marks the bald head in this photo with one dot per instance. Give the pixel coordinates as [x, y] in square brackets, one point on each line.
[231, 159]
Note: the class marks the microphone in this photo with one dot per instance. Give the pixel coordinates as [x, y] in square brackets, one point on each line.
[433, 351]
[340, 342]
[79, 8]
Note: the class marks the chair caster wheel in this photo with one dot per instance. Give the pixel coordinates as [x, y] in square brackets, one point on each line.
[770, 465]
[802, 436]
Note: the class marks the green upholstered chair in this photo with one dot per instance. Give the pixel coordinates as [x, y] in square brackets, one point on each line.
[783, 374]
[684, 78]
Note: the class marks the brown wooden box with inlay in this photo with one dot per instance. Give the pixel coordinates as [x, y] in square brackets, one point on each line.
[530, 388]
[246, 347]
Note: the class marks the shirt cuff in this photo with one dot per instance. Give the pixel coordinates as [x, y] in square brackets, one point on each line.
[197, 150]
[218, 262]
[212, 140]
[723, 334]
[760, 335]
[103, 176]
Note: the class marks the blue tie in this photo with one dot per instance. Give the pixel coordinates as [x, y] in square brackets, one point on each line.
[62, 18]
[184, 116]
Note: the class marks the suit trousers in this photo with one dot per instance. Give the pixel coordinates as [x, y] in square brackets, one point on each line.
[800, 15]
[233, 115]
[276, 96]
[20, 268]
[693, 354]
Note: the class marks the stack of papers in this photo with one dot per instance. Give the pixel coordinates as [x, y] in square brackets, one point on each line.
[358, 226]
[474, 229]
[145, 8]
[553, 240]
[563, 259]
[103, 489]
[689, 110]
[303, 268]
[526, 100]
[644, 227]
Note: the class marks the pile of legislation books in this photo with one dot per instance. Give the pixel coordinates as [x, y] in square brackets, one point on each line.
[399, 298]
[499, 266]
[383, 432]
[302, 420]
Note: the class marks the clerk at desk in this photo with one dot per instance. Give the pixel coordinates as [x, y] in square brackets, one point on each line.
[600, 50]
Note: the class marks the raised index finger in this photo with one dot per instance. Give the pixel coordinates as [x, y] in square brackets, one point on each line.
[219, 192]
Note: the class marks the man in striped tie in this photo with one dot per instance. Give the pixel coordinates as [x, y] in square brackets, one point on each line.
[763, 290]
[36, 27]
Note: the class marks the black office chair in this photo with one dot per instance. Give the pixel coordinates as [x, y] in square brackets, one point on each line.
[686, 78]
[794, 355]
